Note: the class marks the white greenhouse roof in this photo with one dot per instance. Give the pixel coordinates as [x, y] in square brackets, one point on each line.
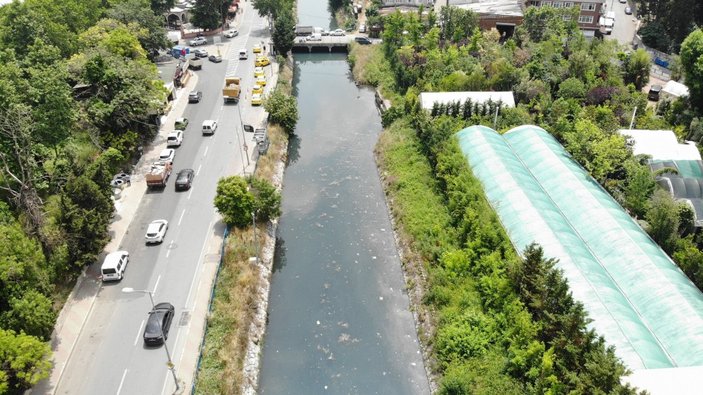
[490, 7]
[637, 297]
[428, 99]
[676, 89]
[660, 145]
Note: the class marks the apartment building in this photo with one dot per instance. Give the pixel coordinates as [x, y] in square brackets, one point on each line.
[591, 10]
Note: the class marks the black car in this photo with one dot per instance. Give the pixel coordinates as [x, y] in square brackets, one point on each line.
[158, 324]
[362, 40]
[195, 96]
[184, 179]
[653, 93]
[215, 58]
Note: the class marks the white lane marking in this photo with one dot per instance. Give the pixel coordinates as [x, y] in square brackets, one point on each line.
[200, 261]
[136, 339]
[190, 193]
[156, 285]
[199, 167]
[205, 153]
[119, 389]
[168, 251]
[163, 388]
[181, 219]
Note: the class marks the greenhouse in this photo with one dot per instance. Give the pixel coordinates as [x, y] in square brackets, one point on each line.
[635, 294]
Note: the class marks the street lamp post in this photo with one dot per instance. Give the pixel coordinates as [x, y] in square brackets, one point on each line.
[244, 138]
[170, 365]
[256, 245]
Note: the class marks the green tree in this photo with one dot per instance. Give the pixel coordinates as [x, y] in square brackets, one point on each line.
[271, 7]
[267, 203]
[638, 188]
[602, 154]
[282, 109]
[207, 14]
[692, 62]
[663, 219]
[32, 313]
[283, 32]
[147, 26]
[24, 361]
[637, 65]
[457, 24]
[234, 201]
[161, 6]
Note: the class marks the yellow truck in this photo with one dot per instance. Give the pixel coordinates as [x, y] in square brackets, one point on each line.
[232, 89]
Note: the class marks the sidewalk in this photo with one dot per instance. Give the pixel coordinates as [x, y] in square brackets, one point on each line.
[79, 303]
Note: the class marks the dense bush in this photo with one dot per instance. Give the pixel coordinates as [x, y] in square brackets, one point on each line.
[238, 199]
[282, 109]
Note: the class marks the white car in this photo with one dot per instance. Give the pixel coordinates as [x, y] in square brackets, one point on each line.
[198, 41]
[156, 231]
[167, 155]
[174, 139]
[338, 32]
[231, 33]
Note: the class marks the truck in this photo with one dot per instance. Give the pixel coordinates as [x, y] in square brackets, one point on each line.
[232, 89]
[304, 30]
[195, 63]
[158, 174]
[606, 25]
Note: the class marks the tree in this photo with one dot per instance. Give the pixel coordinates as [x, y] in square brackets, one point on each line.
[147, 26]
[692, 62]
[663, 219]
[639, 187]
[234, 201]
[207, 14]
[602, 154]
[24, 361]
[637, 65]
[282, 109]
[161, 6]
[271, 7]
[284, 31]
[32, 313]
[267, 202]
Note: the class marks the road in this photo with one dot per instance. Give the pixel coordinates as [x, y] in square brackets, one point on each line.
[625, 25]
[109, 356]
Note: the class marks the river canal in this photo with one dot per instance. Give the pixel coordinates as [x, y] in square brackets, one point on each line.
[339, 320]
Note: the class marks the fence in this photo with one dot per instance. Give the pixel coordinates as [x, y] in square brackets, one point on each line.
[660, 61]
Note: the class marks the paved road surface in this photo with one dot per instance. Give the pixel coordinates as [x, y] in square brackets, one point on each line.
[625, 25]
[109, 356]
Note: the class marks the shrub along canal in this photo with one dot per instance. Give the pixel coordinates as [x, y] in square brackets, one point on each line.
[339, 319]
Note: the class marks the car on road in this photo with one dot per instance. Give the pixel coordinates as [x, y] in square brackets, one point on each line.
[167, 155]
[209, 126]
[215, 58]
[114, 265]
[198, 41]
[622, 1]
[158, 324]
[184, 179]
[195, 96]
[181, 123]
[337, 32]
[156, 231]
[258, 71]
[231, 33]
[256, 99]
[654, 91]
[260, 80]
[174, 139]
[628, 10]
[262, 61]
[257, 89]
[200, 53]
[256, 48]
[362, 40]
[243, 54]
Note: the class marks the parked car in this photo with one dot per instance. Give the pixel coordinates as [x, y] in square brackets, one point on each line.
[195, 96]
[158, 324]
[362, 28]
[198, 41]
[215, 58]
[243, 54]
[362, 40]
[156, 231]
[231, 33]
[262, 61]
[256, 99]
[200, 53]
[184, 179]
[337, 32]
[181, 123]
[174, 139]
[257, 89]
[622, 1]
[260, 80]
[628, 10]
[653, 93]
[256, 48]
[167, 155]
[209, 126]
[258, 71]
[114, 266]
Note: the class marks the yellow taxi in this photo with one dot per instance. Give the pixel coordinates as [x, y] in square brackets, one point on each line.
[258, 72]
[257, 48]
[262, 61]
[257, 90]
[256, 100]
[260, 81]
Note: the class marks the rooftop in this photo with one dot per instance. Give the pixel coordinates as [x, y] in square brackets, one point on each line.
[491, 7]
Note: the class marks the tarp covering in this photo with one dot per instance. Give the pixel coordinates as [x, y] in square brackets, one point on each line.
[637, 297]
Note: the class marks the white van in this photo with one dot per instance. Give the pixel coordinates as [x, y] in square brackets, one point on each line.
[243, 54]
[114, 266]
[209, 126]
[314, 37]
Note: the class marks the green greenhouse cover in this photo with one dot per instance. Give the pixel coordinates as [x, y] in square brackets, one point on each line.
[635, 294]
